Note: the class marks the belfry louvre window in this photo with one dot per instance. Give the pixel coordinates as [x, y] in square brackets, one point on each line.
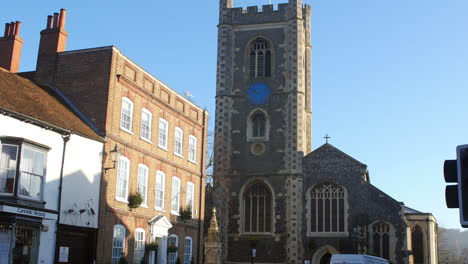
[260, 59]
[327, 207]
[258, 124]
[381, 239]
[257, 202]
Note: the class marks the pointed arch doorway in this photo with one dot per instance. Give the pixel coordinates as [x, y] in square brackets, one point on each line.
[323, 255]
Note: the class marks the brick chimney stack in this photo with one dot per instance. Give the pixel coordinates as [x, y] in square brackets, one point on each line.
[53, 40]
[10, 47]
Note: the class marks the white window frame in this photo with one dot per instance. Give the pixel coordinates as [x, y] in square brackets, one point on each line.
[139, 246]
[175, 198]
[145, 183]
[150, 119]
[127, 173]
[163, 135]
[188, 254]
[122, 125]
[15, 172]
[172, 254]
[178, 140]
[190, 197]
[116, 259]
[21, 170]
[163, 185]
[192, 149]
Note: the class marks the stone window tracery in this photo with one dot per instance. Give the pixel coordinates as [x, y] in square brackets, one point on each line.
[381, 239]
[327, 209]
[257, 207]
[258, 124]
[260, 59]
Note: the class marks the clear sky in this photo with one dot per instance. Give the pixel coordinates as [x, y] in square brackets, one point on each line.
[390, 77]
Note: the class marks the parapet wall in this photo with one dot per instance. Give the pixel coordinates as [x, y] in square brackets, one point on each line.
[255, 15]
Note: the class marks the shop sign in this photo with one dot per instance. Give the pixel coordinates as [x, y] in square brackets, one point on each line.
[28, 212]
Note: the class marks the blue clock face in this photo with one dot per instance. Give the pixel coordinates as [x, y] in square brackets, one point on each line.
[259, 93]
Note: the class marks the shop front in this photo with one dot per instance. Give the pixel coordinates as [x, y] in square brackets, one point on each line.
[20, 231]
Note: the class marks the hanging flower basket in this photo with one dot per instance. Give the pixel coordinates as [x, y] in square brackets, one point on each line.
[135, 200]
[172, 248]
[186, 214]
[153, 246]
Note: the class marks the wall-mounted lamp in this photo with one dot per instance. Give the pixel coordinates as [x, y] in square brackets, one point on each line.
[114, 154]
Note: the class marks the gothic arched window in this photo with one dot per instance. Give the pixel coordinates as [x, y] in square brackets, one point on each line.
[417, 245]
[258, 124]
[327, 209]
[260, 59]
[381, 239]
[257, 205]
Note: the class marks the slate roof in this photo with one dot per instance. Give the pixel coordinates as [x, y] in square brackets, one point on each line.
[22, 96]
[409, 210]
[327, 147]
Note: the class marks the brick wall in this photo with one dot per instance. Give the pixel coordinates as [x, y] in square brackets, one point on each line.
[96, 80]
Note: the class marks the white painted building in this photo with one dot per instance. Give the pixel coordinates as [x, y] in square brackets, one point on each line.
[50, 173]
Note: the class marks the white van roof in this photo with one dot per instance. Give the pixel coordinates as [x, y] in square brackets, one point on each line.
[355, 259]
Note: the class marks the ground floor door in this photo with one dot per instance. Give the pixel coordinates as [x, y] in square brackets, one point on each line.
[75, 245]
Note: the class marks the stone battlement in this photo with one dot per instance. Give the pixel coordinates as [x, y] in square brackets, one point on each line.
[266, 9]
[263, 14]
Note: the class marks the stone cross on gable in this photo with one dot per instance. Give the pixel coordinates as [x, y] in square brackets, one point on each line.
[326, 137]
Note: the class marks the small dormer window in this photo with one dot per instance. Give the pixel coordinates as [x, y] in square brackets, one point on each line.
[260, 59]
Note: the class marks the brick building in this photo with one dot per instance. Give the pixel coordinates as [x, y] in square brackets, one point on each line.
[160, 139]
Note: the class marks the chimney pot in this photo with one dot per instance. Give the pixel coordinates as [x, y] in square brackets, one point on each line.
[10, 47]
[17, 28]
[7, 29]
[12, 29]
[49, 22]
[56, 20]
[63, 14]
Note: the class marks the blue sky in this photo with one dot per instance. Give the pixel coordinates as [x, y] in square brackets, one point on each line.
[390, 77]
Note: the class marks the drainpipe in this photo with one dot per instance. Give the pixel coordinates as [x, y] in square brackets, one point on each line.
[65, 138]
[202, 171]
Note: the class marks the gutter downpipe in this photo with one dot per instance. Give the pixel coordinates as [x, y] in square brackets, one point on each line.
[65, 138]
[202, 170]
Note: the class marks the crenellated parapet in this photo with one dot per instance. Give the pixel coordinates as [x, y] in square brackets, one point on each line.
[263, 14]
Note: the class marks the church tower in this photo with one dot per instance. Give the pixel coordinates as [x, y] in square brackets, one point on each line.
[263, 130]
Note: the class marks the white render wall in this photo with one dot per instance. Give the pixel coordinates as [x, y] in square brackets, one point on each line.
[14, 128]
[81, 182]
[82, 175]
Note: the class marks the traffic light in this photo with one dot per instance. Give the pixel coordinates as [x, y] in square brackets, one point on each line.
[456, 195]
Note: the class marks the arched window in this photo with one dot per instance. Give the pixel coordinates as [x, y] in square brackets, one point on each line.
[118, 243]
[260, 59]
[417, 245]
[257, 204]
[188, 250]
[139, 249]
[327, 209]
[173, 241]
[381, 239]
[258, 124]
